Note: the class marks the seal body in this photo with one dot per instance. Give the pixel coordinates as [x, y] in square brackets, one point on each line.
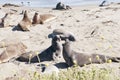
[36, 19]
[12, 51]
[25, 23]
[61, 6]
[7, 42]
[71, 57]
[6, 20]
[57, 49]
[3, 20]
[46, 18]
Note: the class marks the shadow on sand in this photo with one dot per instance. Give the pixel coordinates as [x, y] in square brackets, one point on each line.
[16, 28]
[45, 55]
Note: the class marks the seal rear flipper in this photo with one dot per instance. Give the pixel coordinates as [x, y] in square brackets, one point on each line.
[115, 59]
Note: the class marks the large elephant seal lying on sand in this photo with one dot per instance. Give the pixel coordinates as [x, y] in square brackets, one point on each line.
[25, 23]
[12, 51]
[46, 18]
[43, 18]
[71, 57]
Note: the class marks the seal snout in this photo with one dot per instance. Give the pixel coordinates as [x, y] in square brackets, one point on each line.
[63, 34]
[57, 47]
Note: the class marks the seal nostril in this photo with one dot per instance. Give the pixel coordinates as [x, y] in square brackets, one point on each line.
[56, 54]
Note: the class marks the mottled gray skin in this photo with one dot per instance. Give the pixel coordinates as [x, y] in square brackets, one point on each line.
[81, 58]
[57, 48]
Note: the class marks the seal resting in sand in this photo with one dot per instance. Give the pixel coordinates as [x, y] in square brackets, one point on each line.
[57, 48]
[5, 21]
[36, 18]
[71, 57]
[54, 52]
[7, 42]
[2, 20]
[25, 23]
[61, 6]
[63, 34]
[12, 51]
[46, 18]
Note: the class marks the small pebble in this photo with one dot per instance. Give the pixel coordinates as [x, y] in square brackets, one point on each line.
[61, 24]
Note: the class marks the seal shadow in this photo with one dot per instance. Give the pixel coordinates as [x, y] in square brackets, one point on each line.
[61, 65]
[45, 55]
[16, 28]
[58, 9]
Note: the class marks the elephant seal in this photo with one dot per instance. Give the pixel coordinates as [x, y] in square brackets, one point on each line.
[6, 20]
[43, 18]
[68, 7]
[46, 18]
[57, 49]
[61, 6]
[12, 51]
[36, 18]
[6, 42]
[54, 52]
[63, 34]
[25, 23]
[71, 57]
[2, 20]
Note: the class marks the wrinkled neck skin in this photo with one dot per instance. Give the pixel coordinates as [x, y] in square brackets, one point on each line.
[59, 45]
[67, 48]
[25, 17]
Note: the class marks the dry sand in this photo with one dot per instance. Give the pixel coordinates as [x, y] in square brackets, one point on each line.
[97, 30]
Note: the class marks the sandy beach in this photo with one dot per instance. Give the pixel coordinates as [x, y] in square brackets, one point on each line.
[96, 30]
